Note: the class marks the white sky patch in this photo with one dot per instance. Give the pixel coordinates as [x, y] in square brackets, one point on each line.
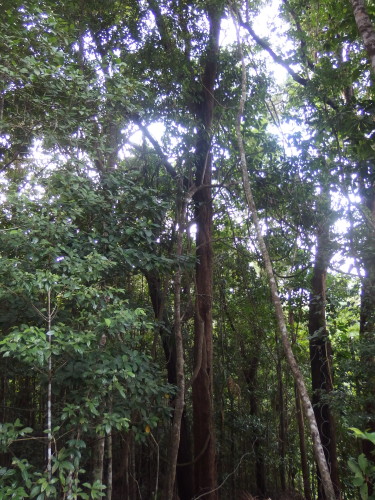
[268, 25]
[156, 129]
[193, 230]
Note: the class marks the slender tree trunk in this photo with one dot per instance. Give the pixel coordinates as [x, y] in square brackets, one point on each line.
[179, 402]
[49, 389]
[125, 466]
[202, 388]
[282, 429]
[317, 445]
[250, 375]
[184, 475]
[109, 463]
[320, 356]
[98, 459]
[302, 447]
[365, 28]
[301, 425]
[367, 321]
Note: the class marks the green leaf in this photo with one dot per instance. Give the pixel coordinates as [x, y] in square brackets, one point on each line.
[358, 481]
[362, 462]
[363, 490]
[354, 467]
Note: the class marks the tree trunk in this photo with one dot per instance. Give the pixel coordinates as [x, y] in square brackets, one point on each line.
[179, 402]
[109, 457]
[302, 447]
[98, 459]
[320, 357]
[282, 429]
[367, 321]
[250, 375]
[184, 474]
[365, 28]
[317, 445]
[109, 482]
[202, 388]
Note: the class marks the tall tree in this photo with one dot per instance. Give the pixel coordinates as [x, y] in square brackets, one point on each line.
[318, 449]
[320, 347]
[203, 424]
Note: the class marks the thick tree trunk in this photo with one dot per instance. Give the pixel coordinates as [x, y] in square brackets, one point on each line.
[203, 419]
[202, 388]
[298, 377]
[365, 28]
[320, 357]
[202, 104]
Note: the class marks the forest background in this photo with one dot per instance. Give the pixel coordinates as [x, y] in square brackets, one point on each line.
[187, 272]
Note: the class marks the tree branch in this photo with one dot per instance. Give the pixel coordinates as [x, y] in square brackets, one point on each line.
[279, 60]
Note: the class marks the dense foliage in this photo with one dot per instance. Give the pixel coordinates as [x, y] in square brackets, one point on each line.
[134, 302]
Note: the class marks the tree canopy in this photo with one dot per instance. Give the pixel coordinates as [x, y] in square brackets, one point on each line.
[187, 263]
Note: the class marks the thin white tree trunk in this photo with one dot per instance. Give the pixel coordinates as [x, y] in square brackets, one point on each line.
[306, 403]
[49, 389]
[109, 457]
[365, 28]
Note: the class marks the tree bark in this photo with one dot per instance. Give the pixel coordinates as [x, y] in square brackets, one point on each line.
[309, 412]
[202, 387]
[282, 420]
[365, 28]
[98, 459]
[302, 447]
[320, 356]
[109, 479]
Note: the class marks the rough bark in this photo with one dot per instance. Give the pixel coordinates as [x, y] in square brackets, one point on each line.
[202, 388]
[298, 377]
[365, 28]
[320, 357]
